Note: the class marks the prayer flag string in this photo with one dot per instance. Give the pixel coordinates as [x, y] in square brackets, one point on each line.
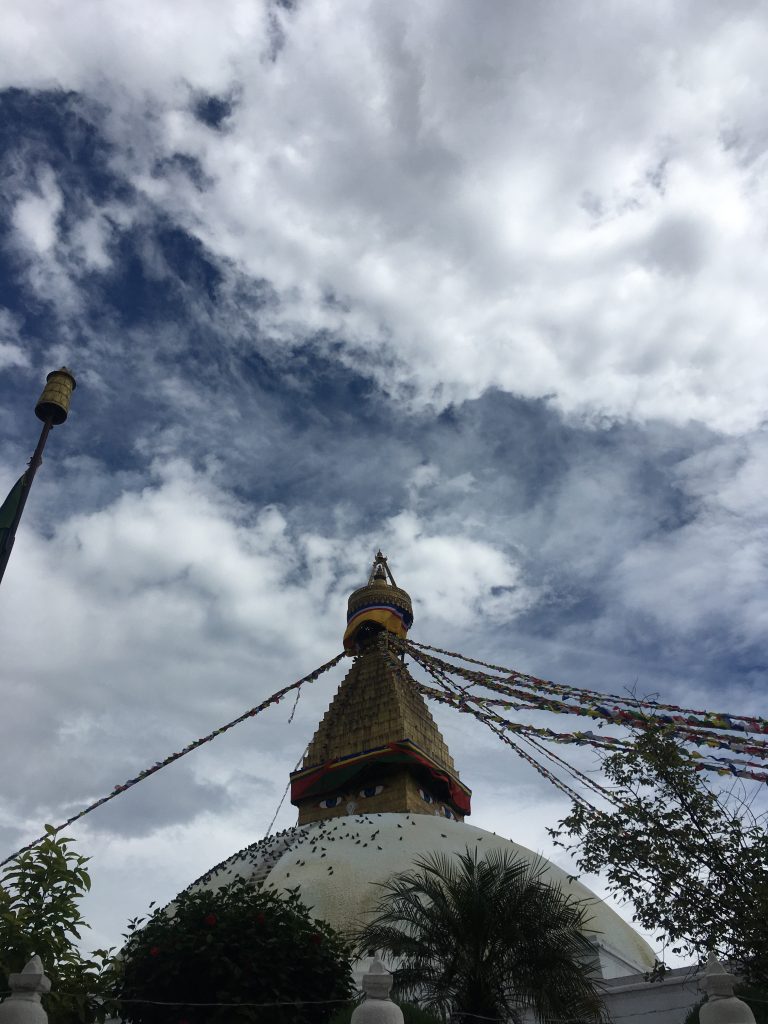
[461, 688]
[723, 766]
[701, 728]
[445, 695]
[694, 727]
[251, 713]
[716, 720]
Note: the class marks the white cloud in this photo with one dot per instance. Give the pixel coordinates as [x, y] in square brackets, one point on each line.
[12, 355]
[173, 608]
[54, 44]
[90, 238]
[548, 199]
[458, 578]
[36, 213]
[12, 352]
[168, 612]
[709, 576]
[552, 201]
[163, 582]
[50, 263]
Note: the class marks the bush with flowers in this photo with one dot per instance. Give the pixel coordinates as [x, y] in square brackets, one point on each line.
[242, 947]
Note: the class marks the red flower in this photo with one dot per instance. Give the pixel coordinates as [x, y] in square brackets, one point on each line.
[261, 919]
[210, 920]
[315, 938]
[154, 951]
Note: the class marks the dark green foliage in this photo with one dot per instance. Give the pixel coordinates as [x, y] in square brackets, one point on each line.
[694, 862]
[39, 914]
[239, 944]
[489, 937]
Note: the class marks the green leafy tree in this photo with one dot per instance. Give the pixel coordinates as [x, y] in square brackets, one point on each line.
[693, 861]
[40, 893]
[238, 945]
[486, 936]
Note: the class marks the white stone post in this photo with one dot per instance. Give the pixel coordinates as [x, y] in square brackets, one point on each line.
[22, 1006]
[722, 1006]
[378, 1008]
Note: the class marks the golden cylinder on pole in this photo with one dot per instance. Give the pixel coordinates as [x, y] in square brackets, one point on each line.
[54, 402]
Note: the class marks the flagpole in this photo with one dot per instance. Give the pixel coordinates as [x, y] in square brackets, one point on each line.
[52, 408]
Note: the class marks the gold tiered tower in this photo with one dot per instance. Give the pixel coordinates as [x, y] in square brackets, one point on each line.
[377, 748]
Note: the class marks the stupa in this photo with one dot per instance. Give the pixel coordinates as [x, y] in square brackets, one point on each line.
[378, 789]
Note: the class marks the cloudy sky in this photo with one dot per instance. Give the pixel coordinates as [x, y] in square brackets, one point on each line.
[483, 284]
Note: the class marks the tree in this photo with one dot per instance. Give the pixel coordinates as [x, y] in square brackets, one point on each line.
[693, 861]
[238, 945]
[487, 937]
[39, 913]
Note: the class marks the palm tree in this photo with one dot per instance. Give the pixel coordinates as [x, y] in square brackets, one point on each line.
[489, 938]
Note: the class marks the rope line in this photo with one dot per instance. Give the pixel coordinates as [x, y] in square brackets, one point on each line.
[692, 731]
[446, 697]
[118, 790]
[460, 693]
[713, 762]
[285, 794]
[504, 724]
[293, 1002]
[518, 691]
[564, 788]
[751, 722]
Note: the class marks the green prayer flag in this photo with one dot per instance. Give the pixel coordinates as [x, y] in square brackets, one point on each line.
[9, 510]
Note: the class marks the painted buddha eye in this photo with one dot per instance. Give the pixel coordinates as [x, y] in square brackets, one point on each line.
[329, 802]
[371, 791]
[448, 813]
[426, 797]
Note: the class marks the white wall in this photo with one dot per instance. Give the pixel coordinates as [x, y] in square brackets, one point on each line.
[632, 1000]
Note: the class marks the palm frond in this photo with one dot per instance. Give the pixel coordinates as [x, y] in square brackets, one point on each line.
[486, 935]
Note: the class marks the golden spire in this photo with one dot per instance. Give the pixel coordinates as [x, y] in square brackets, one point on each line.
[380, 604]
[377, 748]
[380, 569]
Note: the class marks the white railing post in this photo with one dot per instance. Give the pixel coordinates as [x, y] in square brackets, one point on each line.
[378, 1008]
[23, 1006]
[722, 1006]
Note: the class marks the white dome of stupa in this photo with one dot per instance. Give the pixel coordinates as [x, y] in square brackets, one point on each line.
[336, 865]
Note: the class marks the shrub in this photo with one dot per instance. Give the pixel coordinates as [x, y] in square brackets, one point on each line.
[239, 945]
